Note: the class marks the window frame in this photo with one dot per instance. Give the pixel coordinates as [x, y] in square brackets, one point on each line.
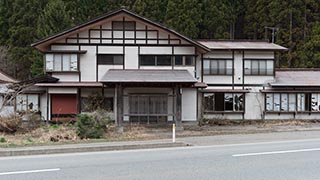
[223, 94]
[62, 55]
[302, 102]
[219, 71]
[266, 70]
[113, 60]
[123, 24]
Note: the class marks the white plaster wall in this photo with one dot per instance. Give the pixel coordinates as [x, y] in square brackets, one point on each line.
[189, 104]
[184, 50]
[156, 67]
[62, 90]
[68, 77]
[156, 50]
[43, 106]
[254, 105]
[238, 64]
[102, 69]
[258, 79]
[110, 49]
[218, 54]
[88, 63]
[131, 58]
[64, 47]
[211, 79]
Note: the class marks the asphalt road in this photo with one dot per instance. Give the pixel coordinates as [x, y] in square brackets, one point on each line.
[268, 160]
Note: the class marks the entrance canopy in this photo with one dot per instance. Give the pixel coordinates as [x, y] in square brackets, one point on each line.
[148, 76]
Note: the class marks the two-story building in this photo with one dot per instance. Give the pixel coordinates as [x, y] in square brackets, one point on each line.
[149, 73]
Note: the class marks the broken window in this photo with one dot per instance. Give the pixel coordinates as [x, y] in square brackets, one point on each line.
[27, 102]
[215, 102]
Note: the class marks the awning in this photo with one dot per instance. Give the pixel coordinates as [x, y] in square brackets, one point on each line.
[147, 76]
[225, 90]
[71, 84]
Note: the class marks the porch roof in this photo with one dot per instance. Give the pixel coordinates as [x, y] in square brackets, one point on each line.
[296, 77]
[147, 76]
[241, 45]
[71, 84]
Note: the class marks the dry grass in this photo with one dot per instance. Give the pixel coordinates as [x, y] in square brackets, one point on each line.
[62, 134]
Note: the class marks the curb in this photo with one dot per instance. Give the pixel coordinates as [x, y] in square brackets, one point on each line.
[27, 152]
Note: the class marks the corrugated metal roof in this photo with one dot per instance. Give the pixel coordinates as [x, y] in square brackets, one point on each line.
[241, 45]
[150, 76]
[297, 78]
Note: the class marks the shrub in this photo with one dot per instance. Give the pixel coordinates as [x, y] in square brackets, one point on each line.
[3, 140]
[10, 123]
[93, 125]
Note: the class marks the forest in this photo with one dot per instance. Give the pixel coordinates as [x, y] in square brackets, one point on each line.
[296, 25]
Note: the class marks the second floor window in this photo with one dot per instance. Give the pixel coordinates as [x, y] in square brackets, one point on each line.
[61, 62]
[217, 67]
[120, 25]
[258, 67]
[109, 59]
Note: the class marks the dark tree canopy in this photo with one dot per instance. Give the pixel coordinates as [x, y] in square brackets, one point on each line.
[24, 22]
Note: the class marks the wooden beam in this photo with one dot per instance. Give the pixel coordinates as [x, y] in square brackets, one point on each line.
[119, 121]
[178, 106]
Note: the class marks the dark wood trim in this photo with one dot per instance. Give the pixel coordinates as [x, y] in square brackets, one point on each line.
[138, 57]
[119, 44]
[97, 66]
[243, 70]
[232, 69]
[65, 52]
[172, 57]
[146, 34]
[201, 67]
[62, 72]
[101, 34]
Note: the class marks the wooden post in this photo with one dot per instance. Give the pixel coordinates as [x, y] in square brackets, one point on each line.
[179, 107]
[119, 121]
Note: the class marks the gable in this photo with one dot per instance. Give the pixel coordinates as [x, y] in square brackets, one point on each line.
[107, 30]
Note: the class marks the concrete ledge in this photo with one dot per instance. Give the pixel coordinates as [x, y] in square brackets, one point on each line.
[76, 149]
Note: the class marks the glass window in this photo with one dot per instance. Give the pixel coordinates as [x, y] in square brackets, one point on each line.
[254, 67]
[163, 60]
[119, 25]
[206, 67]
[61, 62]
[109, 59]
[284, 102]
[57, 62]
[214, 67]
[148, 60]
[27, 102]
[178, 60]
[189, 60]
[258, 67]
[219, 102]
[218, 67]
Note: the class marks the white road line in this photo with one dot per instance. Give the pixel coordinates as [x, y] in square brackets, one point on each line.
[30, 171]
[276, 152]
